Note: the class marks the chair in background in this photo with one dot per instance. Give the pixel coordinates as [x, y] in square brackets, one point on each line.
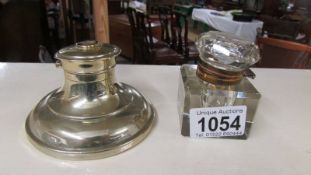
[44, 55]
[165, 18]
[216, 4]
[179, 40]
[79, 21]
[279, 28]
[153, 4]
[124, 4]
[53, 16]
[146, 48]
[306, 30]
[276, 53]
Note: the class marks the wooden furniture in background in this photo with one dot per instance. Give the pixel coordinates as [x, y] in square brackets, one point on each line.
[180, 41]
[272, 7]
[23, 28]
[101, 22]
[117, 6]
[306, 29]
[174, 31]
[114, 7]
[276, 53]
[155, 3]
[121, 35]
[77, 20]
[146, 49]
[165, 18]
[216, 4]
[279, 28]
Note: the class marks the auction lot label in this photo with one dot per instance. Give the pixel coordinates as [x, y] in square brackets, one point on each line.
[217, 121]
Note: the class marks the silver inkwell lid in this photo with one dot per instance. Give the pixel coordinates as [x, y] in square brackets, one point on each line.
[91, 116]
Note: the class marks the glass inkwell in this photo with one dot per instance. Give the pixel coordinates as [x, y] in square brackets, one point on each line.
[91, 116]
[218, 82]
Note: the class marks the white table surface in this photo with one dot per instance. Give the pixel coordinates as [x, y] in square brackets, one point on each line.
[246, 30]
[279, 143]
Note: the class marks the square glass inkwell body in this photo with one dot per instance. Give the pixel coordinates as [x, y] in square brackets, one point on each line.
[215, 99]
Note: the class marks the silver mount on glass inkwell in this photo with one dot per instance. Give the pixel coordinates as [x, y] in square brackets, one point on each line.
[91, 116]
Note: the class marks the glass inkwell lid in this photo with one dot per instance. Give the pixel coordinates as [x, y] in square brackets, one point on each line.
[91, 116]
[225, 56]
[218, 82]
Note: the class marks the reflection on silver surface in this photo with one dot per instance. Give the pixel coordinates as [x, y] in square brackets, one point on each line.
[91, 116]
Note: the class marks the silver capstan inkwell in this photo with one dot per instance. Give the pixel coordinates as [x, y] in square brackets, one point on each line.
[91, 116]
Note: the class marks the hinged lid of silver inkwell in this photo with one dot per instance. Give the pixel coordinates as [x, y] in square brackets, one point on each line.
[91, 116]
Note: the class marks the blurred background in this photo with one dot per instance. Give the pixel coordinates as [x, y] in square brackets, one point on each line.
[33, 30]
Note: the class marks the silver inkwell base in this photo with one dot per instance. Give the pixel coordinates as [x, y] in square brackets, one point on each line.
[91, 116]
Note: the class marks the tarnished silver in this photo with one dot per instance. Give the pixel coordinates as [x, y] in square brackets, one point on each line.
[91, 116]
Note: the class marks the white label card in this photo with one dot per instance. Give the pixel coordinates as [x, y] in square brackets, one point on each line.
[217, 121]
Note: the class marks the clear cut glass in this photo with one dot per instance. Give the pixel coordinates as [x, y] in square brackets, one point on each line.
[196, 93]
[226, 51]
[218, 79]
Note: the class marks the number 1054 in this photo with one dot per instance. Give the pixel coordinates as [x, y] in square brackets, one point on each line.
[219, 124]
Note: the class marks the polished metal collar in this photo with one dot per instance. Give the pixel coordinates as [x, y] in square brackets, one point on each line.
[91, 116]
